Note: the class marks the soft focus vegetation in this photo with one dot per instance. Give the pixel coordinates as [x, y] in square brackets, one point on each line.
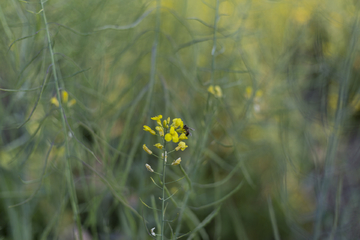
[271, 88]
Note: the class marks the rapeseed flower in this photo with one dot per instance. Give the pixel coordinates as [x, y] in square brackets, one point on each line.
[182, 145]
[172, 135]
[159, 146]
[176, 162]
[148, 129]
[174, 132]
[157, 119]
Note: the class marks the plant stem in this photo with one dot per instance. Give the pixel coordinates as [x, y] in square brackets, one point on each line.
[69, 177]
[163, 192]
[163, 198]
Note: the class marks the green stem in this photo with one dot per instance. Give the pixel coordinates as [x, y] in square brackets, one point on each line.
[163, 191]
[187, 177]
[163, 198]
[69, 177]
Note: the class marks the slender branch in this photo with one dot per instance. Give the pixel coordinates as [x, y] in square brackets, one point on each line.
[69, 177]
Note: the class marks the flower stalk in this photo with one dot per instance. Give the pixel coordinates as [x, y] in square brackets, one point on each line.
[163, 193]
[168, 132]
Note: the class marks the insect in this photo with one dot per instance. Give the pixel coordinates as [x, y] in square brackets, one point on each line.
[187, 130]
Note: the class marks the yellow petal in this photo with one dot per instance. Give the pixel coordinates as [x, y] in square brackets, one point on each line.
[168, 137]
[172, 131]
[248, 91]
[183, 146]
[175, 138]
[218, 91]
[159, 146]
[183, 136]
[259, 93]
[211, 89]
[148, 129]
[71, 103]
[178, 123]
[157, 117]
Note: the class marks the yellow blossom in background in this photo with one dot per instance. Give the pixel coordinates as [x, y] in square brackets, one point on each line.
[211, 89]
[182, 145]
[71, 103]
[159, 146]
[148, 129]
[218, 91]
[54, 101]
[332, 101]
[176, 162]
[64, 99]
[148, 167]
[215, 90]
[64, 96]
[157, 119]
[146, 149]
[302, 15]
[249, 92]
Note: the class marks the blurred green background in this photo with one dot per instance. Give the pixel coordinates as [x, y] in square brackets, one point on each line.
[274, 156]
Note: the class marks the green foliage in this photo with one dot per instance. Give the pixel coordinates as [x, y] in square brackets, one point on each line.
[270, 87]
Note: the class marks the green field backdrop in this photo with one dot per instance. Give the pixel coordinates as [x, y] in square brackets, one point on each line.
[270, 87]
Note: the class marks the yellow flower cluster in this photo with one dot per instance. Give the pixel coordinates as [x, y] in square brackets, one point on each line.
[176, 128]
[174, 132]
